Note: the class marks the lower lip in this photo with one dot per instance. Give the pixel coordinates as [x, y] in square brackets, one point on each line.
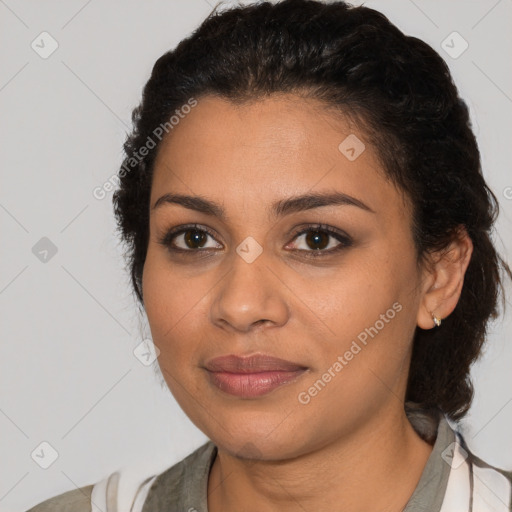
[251, 385]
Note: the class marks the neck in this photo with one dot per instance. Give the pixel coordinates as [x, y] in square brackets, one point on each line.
[376, 469]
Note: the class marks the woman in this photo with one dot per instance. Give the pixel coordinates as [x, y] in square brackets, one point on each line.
[307, 229]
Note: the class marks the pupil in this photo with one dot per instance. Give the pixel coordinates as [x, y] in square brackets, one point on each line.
[197, 237]
[316, 238]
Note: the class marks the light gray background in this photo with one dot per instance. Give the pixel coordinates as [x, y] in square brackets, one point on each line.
[69, 326]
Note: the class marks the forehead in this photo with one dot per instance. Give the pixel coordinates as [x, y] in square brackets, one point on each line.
[271, 148]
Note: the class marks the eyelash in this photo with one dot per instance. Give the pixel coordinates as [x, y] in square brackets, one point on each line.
[344, 239]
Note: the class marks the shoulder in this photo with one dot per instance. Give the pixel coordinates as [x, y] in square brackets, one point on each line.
[490, 483]
[182, 486]
[487, 487]
[76, 500]
[127, 489]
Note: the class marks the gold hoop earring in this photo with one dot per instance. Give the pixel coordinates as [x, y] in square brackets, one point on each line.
[437, 320]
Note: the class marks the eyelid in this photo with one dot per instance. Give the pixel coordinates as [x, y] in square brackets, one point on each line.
[300, 230]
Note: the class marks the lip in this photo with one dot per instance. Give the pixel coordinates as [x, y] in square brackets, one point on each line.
[255, 363]
[251, 376]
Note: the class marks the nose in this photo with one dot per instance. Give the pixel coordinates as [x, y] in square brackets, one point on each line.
[250, 294]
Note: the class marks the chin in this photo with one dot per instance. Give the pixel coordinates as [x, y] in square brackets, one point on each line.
[263, 439]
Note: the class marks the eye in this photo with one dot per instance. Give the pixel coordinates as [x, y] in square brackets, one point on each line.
[321, 240]
[317, 240]
[189, 238]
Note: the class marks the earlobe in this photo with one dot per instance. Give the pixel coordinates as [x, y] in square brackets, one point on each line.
[446, 278]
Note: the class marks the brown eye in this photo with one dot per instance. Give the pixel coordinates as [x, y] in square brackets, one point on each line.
[320, 240]
[195, 238]
[317, 239]
[189, 239]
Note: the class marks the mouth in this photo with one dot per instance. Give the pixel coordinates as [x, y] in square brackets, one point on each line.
[251, 376]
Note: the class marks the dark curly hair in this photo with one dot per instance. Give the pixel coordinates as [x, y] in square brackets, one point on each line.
[399, 90]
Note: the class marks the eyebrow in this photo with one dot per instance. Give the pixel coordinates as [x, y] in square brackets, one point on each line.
[278, 209]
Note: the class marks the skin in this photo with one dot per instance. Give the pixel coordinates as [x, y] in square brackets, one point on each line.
[274, 451]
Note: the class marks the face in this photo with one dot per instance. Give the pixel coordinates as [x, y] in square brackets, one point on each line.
[328, 284]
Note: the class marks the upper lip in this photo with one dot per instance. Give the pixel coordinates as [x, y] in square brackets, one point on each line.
[251, 364]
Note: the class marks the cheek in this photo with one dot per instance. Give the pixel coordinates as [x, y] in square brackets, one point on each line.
[157, 301]
[168, 301]
[364, 286]
[169, 304]
[371, 302]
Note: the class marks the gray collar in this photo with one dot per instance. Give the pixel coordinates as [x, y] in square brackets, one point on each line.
[430, 491]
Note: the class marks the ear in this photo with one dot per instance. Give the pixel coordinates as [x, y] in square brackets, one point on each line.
[443, 279]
